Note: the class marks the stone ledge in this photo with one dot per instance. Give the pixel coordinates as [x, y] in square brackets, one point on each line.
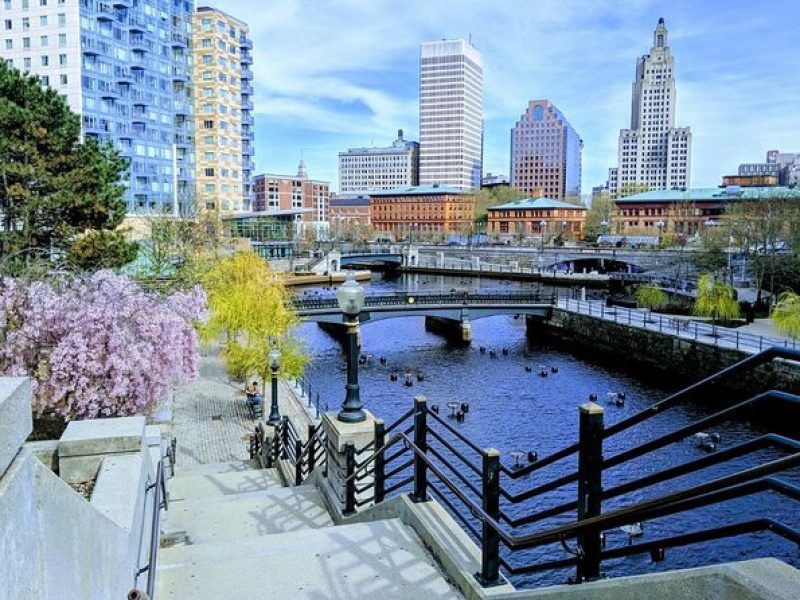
[102, 436]
[116, 493]
[16, 421]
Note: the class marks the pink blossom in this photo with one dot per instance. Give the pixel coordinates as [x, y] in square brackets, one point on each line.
[97, 345]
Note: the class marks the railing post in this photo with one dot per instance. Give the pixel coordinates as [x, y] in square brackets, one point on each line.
[420, 441]
[350, 485]
[298, 464]
[312, 448]
[284, 437]
[380, 461]
[490, 538]
[590, 488]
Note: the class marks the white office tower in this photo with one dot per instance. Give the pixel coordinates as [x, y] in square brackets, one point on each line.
[653, 154]
[450, 114]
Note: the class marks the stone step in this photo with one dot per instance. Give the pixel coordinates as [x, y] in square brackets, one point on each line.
[236, 466]
[250, 514]
[363, 560]
[215, 485]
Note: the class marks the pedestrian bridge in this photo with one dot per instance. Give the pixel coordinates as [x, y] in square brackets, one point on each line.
[373, 259]
[446, 313]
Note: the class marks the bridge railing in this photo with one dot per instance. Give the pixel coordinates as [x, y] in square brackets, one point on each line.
[708, 333]
[522, 531]
[427, 299]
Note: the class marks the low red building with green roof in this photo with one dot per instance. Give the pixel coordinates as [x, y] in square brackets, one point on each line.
[540, 217]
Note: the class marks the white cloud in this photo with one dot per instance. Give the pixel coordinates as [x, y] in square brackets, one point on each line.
[348, 70]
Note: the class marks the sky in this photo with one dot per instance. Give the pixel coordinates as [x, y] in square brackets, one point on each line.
[335, 74]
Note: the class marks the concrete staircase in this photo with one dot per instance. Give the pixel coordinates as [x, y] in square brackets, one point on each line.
[233, 531]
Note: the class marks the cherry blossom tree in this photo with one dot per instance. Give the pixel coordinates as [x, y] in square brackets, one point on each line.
[97, 345]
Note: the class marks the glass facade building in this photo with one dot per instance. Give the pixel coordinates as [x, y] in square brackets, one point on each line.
[123, 65]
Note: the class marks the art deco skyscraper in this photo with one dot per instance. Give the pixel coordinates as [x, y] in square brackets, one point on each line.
[653, 153]
[223, 111]
[546, 153]
[450, 114]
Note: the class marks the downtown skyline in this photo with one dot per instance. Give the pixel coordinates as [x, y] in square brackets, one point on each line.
[347, 74]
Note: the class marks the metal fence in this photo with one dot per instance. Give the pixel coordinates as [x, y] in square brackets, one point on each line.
[707, 333]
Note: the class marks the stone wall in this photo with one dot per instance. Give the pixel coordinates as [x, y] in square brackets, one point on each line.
[653, 354]
[54, 542]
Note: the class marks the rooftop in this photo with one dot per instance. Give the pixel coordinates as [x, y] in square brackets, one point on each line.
[421, 190]
[715, 194]
[536, 203]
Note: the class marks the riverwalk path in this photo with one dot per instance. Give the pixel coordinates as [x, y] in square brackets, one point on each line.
[751, 338]
[210, 418]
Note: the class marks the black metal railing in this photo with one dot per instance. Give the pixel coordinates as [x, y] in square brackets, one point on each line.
[426, 299]
[310, 392]
[433, 458]
[709, 333]
[160, 501]
[286, 444]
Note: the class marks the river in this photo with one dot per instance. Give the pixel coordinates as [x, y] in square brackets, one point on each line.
[514, 409]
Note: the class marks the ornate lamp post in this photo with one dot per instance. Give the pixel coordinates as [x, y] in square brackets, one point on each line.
[543, 229]
[274, 365]
[350, 297]
[660, 226]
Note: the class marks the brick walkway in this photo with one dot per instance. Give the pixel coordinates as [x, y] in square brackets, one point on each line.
[210, 418]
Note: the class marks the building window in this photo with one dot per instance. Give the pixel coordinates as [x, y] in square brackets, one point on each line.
[26, 43]
[43, 41]
[9, 44]
[45, 60]
[209, 172]
[62, 40]
[8, 24]
[63, 79]
[62, 60]
[43, 21]
[62, 19]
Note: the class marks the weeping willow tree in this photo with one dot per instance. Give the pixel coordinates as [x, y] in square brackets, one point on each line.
[249, 313]
[651, 296]
[715, 299]
[786, 314]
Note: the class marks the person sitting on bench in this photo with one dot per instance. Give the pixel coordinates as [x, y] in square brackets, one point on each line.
[253, 396]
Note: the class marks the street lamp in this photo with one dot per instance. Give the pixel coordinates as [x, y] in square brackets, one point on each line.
[660, 226]
[543, 228]
[274, 365]
[350, 297]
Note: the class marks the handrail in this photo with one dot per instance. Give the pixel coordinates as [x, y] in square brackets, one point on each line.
[647, 509]
[159, 501]
[745, 364]
[406, 298]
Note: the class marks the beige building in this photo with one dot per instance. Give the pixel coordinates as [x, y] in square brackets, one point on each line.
[223, 108]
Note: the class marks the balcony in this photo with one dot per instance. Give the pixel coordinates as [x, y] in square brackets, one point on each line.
[139, 43]
[178, 40]
[247, 74]
[247, 89]
[121, 4]
[246, 58]
[137, 24]
[245, 42]
[179, 73]
[247, 104]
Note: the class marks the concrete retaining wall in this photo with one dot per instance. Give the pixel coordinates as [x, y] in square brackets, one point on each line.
[56, 543]
[658, 354]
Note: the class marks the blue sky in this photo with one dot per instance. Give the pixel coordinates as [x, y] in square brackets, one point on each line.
[332, 74]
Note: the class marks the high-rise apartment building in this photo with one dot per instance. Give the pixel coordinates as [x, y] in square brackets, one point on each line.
[369, 169]
[221, 57]
[653, 153]
[275, 193]
[546, 153]
[450, 114]
[122, 66]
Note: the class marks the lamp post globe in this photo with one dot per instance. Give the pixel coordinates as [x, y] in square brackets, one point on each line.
[350, 297]
[543, 228]
[274, 365]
